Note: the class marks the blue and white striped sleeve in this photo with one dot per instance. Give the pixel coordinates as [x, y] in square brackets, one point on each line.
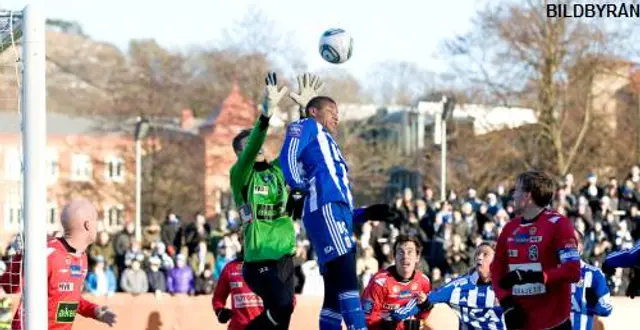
[603, 306]
[624, 258]
[299, 135]
[444, 294]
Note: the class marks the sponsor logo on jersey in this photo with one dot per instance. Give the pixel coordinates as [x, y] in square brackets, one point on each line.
[522, 238]
[261, 190]
[66, 311]
[65, 287]
[76, 270]
[533, 253]
[513, 253]
[245, 300]
[405, 294]
[235, 285]
[390, 307]
[295, 130]
[535, 239]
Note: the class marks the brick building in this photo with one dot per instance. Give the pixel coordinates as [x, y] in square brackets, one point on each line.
[94, 158]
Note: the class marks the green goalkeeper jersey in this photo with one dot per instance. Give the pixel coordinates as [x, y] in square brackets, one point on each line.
[261, 194]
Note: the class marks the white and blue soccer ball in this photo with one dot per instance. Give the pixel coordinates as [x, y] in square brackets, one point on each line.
[336, 46]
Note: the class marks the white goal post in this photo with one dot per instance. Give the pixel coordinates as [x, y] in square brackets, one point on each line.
[30, 34]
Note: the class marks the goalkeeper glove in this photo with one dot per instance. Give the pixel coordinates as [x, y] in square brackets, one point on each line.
[272, 95]
[309, 87]
[224, 315]
[514, 316]
[380, 212]
[517, 277]
[295, 203]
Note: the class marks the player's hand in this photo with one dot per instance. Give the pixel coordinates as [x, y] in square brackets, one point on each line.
[309, 86]
[591, 297]
[272, 95]
[518, 276]
[384, 213]
[634, 283]
[295, 203]
[224, 315]
[104, 315]
[514, 316]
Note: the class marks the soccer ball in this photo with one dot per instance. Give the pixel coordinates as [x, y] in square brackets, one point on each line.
[336, 46]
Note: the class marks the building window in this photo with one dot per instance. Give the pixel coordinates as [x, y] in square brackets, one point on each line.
[52, 214]
[53, 165]
[114, 168]
[114, 216]
[12, 216]
[81, 168]
[12, 164]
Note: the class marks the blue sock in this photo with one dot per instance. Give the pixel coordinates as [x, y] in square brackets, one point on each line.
[330, 320]
[351, 310]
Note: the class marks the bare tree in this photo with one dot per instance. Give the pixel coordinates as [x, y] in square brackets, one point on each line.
[555, 66]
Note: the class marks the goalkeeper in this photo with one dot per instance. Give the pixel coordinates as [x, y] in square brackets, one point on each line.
[259, 190]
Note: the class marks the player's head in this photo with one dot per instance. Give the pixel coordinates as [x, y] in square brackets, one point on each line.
[407, 250]
[483, 258]
[79, 221]
[240, 141]
[533, 188]
[325, 111]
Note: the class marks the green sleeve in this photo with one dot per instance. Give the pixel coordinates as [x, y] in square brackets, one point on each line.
[241, 170]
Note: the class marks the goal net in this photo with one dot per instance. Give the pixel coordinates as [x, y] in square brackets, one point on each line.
[23, 295]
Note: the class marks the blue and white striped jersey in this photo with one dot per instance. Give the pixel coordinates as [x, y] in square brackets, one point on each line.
[581, 314]
[475, 303]
[312, 162]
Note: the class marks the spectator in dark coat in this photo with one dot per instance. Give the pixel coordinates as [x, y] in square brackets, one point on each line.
[157, 278]
[169, 234]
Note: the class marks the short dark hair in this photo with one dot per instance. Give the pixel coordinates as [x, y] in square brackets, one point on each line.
[318, 102]
[401, 239]
[237, 141]
[540, 185]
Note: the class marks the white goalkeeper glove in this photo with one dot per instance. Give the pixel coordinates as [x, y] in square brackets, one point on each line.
[309, 86]
[272, 95]
[104, 315]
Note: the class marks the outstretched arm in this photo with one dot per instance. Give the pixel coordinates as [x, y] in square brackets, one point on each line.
[624, 259]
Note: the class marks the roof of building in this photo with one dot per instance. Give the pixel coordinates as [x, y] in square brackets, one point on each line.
[65, 124]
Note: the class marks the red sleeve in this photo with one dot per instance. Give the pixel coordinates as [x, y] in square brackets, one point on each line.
[222, 290]
[426, 288]
[87, 308]
[564, 242]
[373, 300]
[10, 279]
[499, 264]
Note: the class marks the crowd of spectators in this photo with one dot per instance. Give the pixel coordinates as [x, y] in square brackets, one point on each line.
[186, 256]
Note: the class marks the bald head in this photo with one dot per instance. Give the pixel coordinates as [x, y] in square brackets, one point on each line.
[78, 220]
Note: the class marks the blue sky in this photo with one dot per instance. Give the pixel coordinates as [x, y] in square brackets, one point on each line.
[407, 30]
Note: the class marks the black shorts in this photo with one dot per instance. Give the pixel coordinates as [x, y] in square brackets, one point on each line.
[272, 280]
